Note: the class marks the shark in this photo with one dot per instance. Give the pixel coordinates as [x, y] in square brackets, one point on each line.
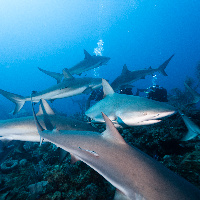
[193, 129]
[195, 95]
[89, 62]
[70, 86]
[128, 110]
[132, 172]
[24, 128]
[127, 77]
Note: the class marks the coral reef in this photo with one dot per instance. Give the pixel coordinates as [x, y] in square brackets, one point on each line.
[40, 175]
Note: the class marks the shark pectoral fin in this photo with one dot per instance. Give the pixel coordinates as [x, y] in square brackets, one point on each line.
[93, 153]
[111, 133]
[41, 140]
[107, 89]
[120, 195]
[121, 123]
[189, 135]
[74, 158]
[193, 129]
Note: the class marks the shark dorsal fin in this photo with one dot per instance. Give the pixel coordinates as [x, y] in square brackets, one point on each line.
[87, 55]
[47, 108]
[150, 67]
[111, 133]
[66, 74]
[125, 70]
[107, 89]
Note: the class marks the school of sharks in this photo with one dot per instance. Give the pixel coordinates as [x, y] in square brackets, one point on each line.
[133, 173]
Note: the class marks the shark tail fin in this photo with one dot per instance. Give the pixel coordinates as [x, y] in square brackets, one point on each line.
[55, 75]
[15, 98]
[196, 96]
[162, 67]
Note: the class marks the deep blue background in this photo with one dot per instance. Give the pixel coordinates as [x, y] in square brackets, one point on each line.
[52, 35]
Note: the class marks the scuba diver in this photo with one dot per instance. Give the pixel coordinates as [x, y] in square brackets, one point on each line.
[155, 92]
[127, 91]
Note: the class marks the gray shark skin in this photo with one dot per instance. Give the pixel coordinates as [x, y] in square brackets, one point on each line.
[89, 62]
[69, 87]
[133, 173]
[127, 77]
[193, 129]
[24, 128]
[127, 109]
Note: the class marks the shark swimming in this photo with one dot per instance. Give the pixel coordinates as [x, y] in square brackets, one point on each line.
[89, 62]
[127, 77]
[133, 173]
[193, 129]
[70, 86]
[24, 128]
[128, 110]
[195, 95]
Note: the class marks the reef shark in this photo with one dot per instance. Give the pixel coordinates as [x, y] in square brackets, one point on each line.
[128, 110]
[89, 62]
[193, 129]
[195, 95]
[70, 86]
[127, 77]
[133, 173]
[24, 128]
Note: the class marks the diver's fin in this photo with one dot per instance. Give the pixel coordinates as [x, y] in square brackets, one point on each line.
[15, 98]
[162, 67]
[55, 75]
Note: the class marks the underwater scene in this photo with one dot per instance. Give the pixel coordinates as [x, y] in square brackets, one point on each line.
[100, 100]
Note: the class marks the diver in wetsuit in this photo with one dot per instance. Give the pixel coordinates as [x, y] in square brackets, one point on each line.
[155, 92]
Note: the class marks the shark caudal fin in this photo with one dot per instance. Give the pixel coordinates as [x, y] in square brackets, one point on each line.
[162, 67]
[15, 98]
[55, 75]
[196, 96]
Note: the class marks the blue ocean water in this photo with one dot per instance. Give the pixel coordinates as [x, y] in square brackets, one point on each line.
[53, 34]
[138, 33]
